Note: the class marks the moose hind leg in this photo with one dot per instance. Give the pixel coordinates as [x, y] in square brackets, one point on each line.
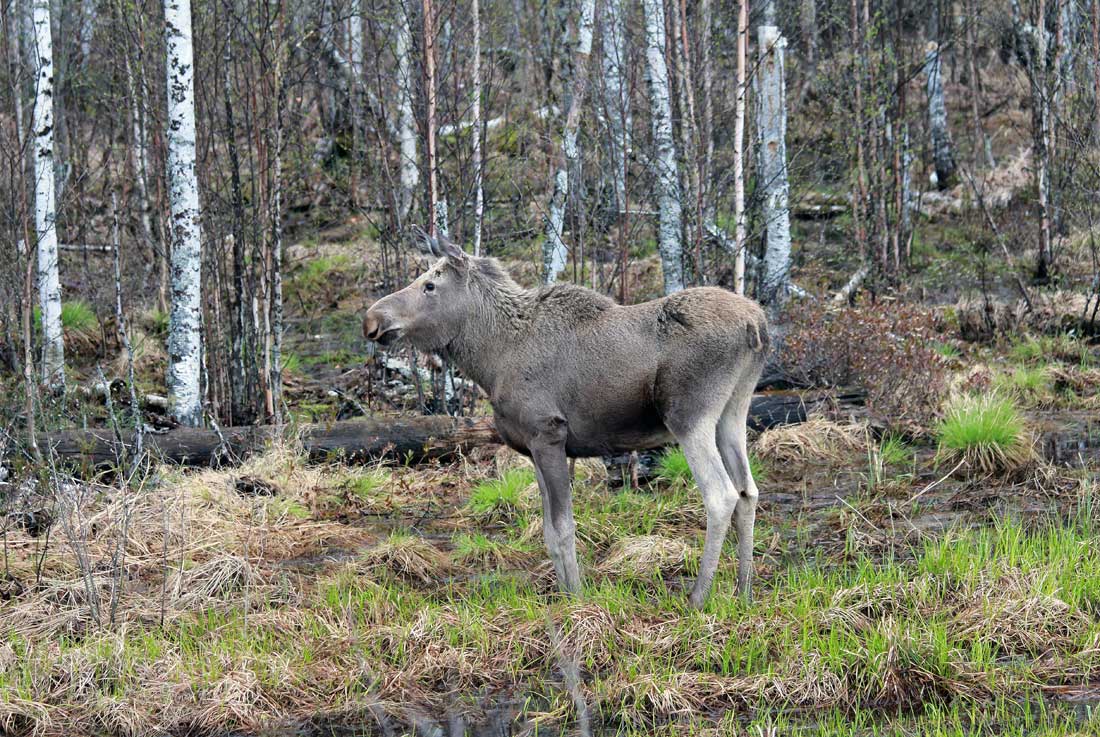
[734, 449]
[719, 499]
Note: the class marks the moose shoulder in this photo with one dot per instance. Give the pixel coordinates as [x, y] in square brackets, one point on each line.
[571, 373]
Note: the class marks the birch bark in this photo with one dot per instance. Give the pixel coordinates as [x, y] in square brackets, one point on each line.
[772, 106]
[555, 253]
[943, 156]
[185, 316]
[45, 212]
[406, 122]
[670, 225]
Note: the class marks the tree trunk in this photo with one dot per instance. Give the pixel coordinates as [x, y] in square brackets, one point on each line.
[406, 120]
[859, 197]
[555, 253]
[706, 22]
[670, 227]
[774, 288]
[477, 129]
[45, 214]
[412, 439]
[616, 99]
[430, 99]
[185, 318]
[807, 16]
[942, 154]
[739, 235]
[685, 88]
[981, 139]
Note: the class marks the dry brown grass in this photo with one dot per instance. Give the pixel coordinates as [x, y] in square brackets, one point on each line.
[408, 557]
[817, 438]
[646, 556]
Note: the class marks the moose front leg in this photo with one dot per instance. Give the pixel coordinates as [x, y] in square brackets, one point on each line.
[559, 529]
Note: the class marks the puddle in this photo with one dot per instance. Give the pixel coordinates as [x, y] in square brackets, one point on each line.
[1078, 449]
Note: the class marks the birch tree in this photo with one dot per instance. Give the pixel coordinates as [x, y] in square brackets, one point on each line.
[45, 213]
[185, 316]
[1032, 43]
[430, 121]
[774, 286]
[942, 154]
[739, 236]
[664, 161]
[406, 121]
[616, 101]
[477, 132]
[555, 252]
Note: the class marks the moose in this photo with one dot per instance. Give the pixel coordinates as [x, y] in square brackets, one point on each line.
[570, 373]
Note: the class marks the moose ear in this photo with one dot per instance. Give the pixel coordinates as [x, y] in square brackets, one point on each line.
[450, 249]
[424, 242]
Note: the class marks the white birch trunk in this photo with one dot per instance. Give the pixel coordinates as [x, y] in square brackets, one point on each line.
[355, 44]
[617, 102]
[775, 280]
[942, 154]
[739, 235]
[406, 121]
[139, 153]
[555, 252]
[479, 195]
[667, 174]
[185, 316]
[45, 214]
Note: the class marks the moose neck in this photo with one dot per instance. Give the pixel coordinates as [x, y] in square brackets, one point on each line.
[495, 325]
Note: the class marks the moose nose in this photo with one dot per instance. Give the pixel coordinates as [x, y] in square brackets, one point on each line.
[372, 326]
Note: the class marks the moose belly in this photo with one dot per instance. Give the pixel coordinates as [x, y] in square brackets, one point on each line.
[593, 432]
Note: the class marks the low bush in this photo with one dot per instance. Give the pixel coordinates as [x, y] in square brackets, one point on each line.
[890, 349]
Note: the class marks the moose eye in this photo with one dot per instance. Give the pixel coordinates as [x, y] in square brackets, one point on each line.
[429, 287]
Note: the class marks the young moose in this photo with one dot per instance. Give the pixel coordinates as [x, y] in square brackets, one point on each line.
[570, 373]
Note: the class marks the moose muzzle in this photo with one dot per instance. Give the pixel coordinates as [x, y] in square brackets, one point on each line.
[378, 327]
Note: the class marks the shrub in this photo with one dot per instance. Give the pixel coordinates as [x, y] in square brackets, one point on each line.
[888, 349]
[984, 431]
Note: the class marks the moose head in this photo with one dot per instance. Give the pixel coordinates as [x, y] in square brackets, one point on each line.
[431, 311]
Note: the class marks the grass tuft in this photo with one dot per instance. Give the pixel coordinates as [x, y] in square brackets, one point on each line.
[985, 432]
[646, 556]
[79, 317]
[502, 498]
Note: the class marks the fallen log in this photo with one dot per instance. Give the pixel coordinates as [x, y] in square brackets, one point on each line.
[406, 440]
[410, 440]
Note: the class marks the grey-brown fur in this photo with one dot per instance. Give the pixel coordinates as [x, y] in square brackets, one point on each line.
[570, 373]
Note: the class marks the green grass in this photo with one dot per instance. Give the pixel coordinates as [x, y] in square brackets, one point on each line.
[947, 350]
[673, 469]
[1030, 384]
[365, 486]
[891, 460]
[1043, 349]
[316, 272]
[292, 362]
[502, 497]
[894, 451]
[986, 430]
[76, 316]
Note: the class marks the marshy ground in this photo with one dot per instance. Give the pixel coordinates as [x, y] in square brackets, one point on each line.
[904, 586]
